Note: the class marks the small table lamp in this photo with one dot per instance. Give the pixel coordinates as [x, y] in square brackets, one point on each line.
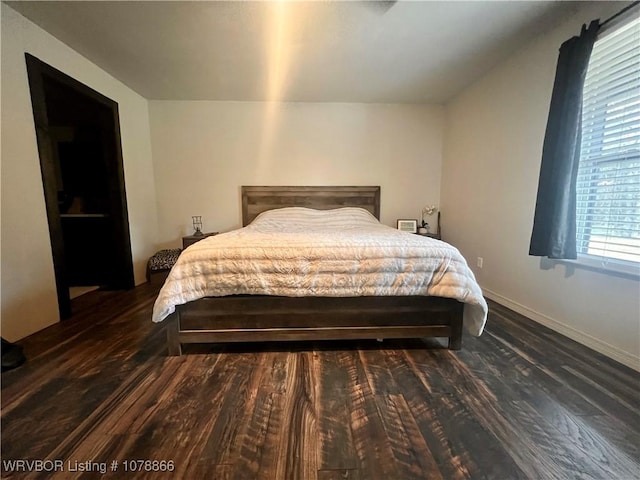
[197, 225]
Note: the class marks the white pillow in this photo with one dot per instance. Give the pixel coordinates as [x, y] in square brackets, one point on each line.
[302, 217]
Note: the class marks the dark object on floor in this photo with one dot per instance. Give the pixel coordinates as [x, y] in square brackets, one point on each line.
[12, 355]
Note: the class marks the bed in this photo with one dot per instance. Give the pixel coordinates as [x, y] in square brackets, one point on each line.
[314, 263]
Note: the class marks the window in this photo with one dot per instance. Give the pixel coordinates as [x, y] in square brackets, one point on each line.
[608, 185]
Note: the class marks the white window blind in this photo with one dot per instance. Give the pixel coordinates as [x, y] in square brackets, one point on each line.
[608, 186]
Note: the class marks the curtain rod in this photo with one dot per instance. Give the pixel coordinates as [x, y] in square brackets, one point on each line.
[613, 17]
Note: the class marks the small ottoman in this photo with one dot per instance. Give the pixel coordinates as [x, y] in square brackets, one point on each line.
[160, 264]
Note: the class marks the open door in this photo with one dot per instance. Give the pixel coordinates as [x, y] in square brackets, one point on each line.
[78, 135]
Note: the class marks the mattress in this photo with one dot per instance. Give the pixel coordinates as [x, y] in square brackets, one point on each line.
[299, 252]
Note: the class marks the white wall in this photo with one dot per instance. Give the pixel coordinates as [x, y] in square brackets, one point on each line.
[29, 300]
[204, 151]
[492, 152]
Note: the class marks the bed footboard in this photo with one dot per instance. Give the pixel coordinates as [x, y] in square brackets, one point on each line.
[263, 319]
[174, 345]
[455, 337]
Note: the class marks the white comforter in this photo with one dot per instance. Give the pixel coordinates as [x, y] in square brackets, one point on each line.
[297, 252]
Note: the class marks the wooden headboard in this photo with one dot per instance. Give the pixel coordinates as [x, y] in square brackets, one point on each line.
[256, 200]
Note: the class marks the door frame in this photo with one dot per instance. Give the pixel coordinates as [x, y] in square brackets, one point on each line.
[37, 71]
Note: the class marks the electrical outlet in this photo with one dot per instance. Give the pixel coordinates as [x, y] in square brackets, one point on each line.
[480, 262]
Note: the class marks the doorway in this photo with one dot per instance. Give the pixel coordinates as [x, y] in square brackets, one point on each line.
[78, 135]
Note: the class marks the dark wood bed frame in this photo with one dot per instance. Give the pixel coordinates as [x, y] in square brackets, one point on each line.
[257, 318]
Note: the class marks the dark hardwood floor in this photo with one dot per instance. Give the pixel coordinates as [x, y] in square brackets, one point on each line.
[519, 402]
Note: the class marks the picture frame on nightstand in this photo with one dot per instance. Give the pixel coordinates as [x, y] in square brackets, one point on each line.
[409, 225]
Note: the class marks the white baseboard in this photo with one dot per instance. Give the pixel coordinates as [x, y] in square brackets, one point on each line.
[604, 348]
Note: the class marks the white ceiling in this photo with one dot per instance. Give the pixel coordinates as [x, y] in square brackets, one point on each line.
[339, 51]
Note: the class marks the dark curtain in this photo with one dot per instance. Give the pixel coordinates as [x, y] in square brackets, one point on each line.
[554, 224]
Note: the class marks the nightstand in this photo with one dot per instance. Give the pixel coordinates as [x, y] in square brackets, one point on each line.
[191, 239]
[430, 235]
